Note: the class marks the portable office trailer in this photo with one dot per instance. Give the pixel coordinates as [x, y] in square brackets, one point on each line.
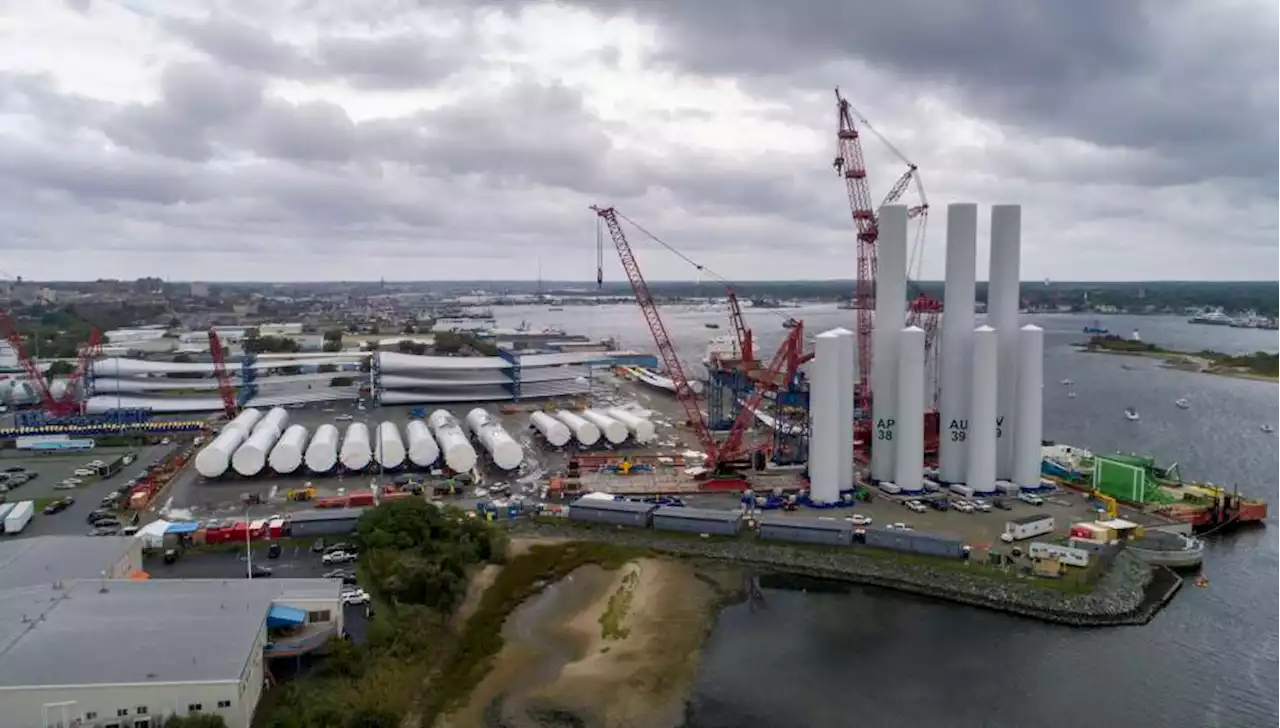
[807, 530]
[614, 512]
[915, 542]
[1029, 526]
[322, 522]
[1068, 555]
[697, 520]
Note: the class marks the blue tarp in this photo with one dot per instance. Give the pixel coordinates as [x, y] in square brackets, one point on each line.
[183, 527]
[282, 616]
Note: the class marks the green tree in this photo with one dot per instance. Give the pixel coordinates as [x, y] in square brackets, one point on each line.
[61, 368]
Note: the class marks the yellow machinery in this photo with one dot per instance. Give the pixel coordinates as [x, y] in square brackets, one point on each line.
[1113, 509]
[301, 494]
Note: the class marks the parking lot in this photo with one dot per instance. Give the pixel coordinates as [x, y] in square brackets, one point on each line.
[54, 468]
[296, 561]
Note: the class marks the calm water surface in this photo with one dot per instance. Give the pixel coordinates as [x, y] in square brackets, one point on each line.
[868, 657]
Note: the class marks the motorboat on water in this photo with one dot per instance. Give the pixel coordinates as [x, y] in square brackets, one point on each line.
[713, 326]
[1182, 403]
[1071, 395]
[1066, 382]
[1268, 428]
[1131, 414]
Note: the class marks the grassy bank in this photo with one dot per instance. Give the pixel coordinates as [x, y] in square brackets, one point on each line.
[1259, 365]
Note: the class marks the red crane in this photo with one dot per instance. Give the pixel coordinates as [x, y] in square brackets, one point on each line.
[14, 337]
[851, 165]
[225, 386]
[719, 455]
[69, 404]
[746, 346]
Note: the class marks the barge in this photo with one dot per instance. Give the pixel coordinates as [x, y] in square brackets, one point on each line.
[1140, 483]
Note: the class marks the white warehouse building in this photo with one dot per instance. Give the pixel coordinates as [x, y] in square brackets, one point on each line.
[86, 643]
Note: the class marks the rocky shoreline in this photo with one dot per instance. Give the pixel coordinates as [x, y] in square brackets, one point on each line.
[1130, 593]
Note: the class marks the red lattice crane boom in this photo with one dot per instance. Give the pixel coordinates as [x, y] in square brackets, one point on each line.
[69, 403]
[225, 387]
[746, 345]
[14, 337]
[850, 163]
[718, 454]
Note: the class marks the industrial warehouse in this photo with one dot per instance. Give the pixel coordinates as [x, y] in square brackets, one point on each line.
[89, 640]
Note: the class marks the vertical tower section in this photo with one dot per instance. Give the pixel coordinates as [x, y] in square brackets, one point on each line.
[957, 340]
[909, 447]
[1030, 407]
[980, 464]
[849, 376]
[891, 313]
[828, 447]
[1002, 314]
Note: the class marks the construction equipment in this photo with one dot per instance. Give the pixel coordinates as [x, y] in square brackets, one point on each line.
[849, 163]
[1110, 504]
[721, 456]
[225, 386]
[68, 403]
[746, 346]
[301, 494]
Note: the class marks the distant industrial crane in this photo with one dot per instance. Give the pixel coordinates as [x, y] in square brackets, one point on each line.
[850, 164]
[226, 388]
[68, 403]
[720, 455]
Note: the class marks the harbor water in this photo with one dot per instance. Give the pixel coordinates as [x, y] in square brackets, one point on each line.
[869, 657]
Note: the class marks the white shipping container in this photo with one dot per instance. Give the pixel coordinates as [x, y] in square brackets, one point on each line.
[1066, 554]
[963, 490]
[1019, 530]
[889, 487]
[18, 517]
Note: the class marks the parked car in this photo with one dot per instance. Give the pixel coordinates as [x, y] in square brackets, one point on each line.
[59, 506]
[898, 527]
[82, 472]
[15, 469]
[274, 551]
[339, 546]
[260, 572]
[916, 506]
[981, 505]
[338, 557]
[358, 596]
[317, 546]
[1031, 499]
[860, 520]
[65, 485]
[963, 506]
[99, 514]
[1001, 504]
[170, 556]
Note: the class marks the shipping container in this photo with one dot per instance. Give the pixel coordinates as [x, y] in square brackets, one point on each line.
[1028, 527]
[807, 530]
[889, 487]
[18, 517]
[915, 542]
[305, 524]
[615, 512]
[697, 520]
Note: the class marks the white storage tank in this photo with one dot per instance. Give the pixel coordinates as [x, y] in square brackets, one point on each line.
[215, 458]
[356, 453]
[423, 450]
[388, 450]
[583, 431]
[458, 453]
[614, 431]
[552, 429]
[286, 456]
[506, 452]
[322, 453]
[641, 429]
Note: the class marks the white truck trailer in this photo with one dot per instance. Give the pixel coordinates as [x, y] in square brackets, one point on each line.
[19, 516]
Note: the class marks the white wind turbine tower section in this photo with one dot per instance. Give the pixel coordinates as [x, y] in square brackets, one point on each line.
[828, 447]
[1030, 418]
[251, 457]
[614, 431]
[423, 450]
[891, 312]
[214, 460]
[908, 471]
[246, 420]
[322, 453]
[552, 429]
[980, 472]
[957, 340]
[286, 456]
[586, 433]
[459, 455]
[1002, 314]
[389, 451]
[641, 429]
[356, 452]
[845, 401]
[505, 452]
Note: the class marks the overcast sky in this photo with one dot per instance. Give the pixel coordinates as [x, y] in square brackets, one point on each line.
[414, 140]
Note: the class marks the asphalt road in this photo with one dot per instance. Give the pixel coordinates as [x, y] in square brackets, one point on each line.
[71, 521]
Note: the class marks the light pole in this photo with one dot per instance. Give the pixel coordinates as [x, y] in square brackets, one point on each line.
[248, 541]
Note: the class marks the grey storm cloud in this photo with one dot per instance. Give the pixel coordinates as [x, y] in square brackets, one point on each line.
[1144, 122]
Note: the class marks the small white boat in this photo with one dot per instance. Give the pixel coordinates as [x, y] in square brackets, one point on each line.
[1071, 395]
[1268, 428]
[1183, 403]
[1131, 414]
[1066, 382]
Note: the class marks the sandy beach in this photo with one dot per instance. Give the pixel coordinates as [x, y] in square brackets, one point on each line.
[611, 649]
